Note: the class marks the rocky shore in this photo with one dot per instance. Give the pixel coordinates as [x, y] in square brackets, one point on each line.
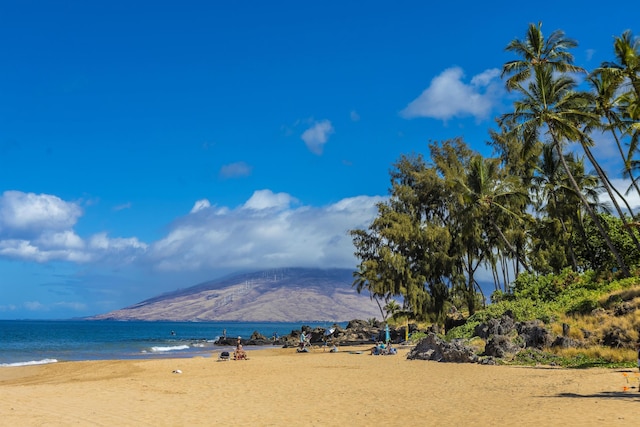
[501, 339]
[356, 332]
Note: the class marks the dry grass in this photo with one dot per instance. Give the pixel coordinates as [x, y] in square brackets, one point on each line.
[631, 295]
[608, 354]
[591, 329]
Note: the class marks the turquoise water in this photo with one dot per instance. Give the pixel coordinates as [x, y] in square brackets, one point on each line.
[24, 342]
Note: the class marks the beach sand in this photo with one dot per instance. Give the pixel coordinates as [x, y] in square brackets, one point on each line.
[279, 387]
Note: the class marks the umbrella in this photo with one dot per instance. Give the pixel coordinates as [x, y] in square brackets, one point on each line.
[387, 335]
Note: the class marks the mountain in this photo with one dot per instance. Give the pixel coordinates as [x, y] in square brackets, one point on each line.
[280, 295]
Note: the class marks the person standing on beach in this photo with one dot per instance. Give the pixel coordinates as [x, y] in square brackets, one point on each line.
[303, 340]
[638, 350]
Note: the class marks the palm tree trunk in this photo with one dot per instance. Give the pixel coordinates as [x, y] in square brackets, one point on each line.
[608, 187]
[627, 169]
[592, 214]
[509, 245]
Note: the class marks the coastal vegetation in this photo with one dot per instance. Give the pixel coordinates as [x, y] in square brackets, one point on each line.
[530, 219]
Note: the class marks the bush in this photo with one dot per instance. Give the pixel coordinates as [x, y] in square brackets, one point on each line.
[464, 331]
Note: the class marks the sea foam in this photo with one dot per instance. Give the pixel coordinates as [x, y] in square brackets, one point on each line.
[29, 363]
[169, 348]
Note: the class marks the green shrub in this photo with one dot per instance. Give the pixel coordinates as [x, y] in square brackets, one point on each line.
[464, 331]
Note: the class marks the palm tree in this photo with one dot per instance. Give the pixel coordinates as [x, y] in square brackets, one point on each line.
[607, 104]
[627, 51]
[551, 104]
[550, 195]
[494, 197]
[535, 51]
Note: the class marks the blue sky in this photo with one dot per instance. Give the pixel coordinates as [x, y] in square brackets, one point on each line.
[149, 146]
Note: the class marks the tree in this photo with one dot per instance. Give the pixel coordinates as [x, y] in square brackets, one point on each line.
[550, 103]
[626, 68]
[536, 52]
[403, 252]
[607, 104]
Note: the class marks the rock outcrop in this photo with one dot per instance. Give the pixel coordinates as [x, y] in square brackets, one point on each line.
[433, 348]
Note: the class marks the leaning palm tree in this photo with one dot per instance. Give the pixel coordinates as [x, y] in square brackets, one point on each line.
[608, 103]
[550, 191]
[494, 196]
[627, 67]
[550, 104]
[537, 51]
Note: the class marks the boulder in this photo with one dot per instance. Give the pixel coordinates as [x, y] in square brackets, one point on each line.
[534, 334]
[433, 348]
[501, 346]
[566, 342]
[502, 326]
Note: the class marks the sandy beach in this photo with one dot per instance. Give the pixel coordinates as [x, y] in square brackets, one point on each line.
[279, 387]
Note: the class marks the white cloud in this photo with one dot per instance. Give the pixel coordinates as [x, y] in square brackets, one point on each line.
[622, 185]
[354, 116]
[39, 227]
[268, 230]
[268, 234]
[317, 135]
[199, 205]
[448, 96]
[266, 199]
[28, 213]
[60, 239]
[101, 242]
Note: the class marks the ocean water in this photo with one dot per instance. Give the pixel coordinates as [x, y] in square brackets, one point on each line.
[30, 342]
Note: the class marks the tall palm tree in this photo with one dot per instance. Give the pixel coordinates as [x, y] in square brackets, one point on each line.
[607, 104]
[627, 67]
[537, 51]
[627, 52]
[550, 104]
[494, 196]
[550, 191]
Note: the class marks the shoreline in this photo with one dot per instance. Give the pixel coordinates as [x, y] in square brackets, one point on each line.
[278, 386]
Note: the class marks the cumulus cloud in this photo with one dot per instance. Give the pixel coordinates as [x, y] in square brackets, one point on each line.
[26, 214]
[317, 135]
[234, 170]
[199, 205]
[248, 238]
[268, 230]
[39, 227]
[354, 116]
[448, 96]
[266, 199]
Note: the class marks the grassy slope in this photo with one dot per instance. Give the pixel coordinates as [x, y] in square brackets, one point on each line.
[601, 312]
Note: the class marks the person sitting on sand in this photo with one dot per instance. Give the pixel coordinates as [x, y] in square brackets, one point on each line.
[377, 349]
[240, 354]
